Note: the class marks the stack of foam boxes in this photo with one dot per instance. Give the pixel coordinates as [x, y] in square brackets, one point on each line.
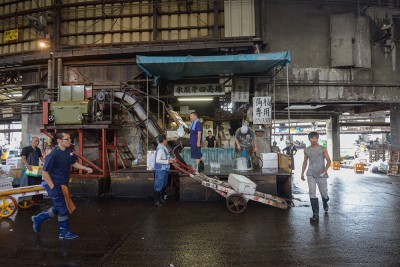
[5, 181]
[270, 160]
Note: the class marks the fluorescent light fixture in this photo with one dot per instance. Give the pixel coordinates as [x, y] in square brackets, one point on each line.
[304, 107]
[195, 98]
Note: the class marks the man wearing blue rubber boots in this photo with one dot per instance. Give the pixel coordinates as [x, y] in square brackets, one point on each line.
[56, 173]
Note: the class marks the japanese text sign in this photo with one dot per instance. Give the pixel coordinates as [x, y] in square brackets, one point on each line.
[262, 110]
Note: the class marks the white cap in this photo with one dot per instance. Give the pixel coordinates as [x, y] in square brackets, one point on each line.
[244, 129]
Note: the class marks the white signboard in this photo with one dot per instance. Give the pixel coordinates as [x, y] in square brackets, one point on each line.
[240, 90]
[262, 110]
[194, 90]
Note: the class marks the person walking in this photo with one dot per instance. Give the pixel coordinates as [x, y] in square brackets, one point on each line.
[210, 139]
[316, 173]
[56, 174]
[195, 140]
[30, 156]
[161, 168]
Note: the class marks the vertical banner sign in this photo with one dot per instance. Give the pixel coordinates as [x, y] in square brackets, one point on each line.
[240, 90]
[262, 110]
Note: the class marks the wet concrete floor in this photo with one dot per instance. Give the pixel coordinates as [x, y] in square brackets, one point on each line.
[361, 229]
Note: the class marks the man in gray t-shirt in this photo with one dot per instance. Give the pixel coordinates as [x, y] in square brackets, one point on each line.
[316, 173]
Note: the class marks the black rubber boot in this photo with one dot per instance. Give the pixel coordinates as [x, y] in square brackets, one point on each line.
[201, 166]
[315, 209]
[157, 202]
[163, 195]
[325, 203]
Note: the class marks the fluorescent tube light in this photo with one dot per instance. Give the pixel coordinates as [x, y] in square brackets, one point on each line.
[195, 99]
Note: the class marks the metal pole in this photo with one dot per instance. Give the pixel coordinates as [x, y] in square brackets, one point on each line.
[288, 97]
[147, 113]
[274, 102]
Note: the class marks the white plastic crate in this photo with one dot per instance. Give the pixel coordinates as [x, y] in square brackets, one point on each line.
[242, 184]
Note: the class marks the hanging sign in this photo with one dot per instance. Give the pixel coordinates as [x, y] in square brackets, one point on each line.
[240, 90]
[262, 110]
[199, 89]
[10, 35]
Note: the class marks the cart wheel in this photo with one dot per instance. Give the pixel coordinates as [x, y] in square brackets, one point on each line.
[26, 203]
[236, 203]
[8, 206]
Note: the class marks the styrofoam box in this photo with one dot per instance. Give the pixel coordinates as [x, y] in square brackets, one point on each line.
[270, 164]
[7, 168]
[6, 183]
[269, 156]
[16, 161]
[151, 159]
[242, 184]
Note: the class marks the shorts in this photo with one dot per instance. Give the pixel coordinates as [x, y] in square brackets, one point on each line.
[195, 152]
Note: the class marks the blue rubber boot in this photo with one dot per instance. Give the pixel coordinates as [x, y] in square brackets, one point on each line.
[38, 219]
[64, 230]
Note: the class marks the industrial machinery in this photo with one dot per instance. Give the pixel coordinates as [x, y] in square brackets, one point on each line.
[94, 117]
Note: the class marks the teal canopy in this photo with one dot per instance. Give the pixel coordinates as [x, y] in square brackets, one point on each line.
[174, 68]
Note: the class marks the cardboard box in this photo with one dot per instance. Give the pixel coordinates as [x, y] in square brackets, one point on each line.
[284, 162]
[36, 171]
[15, 173]
[242, 184]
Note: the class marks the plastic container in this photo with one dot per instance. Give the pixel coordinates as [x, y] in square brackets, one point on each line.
[215, 167]
[242, 164]
[222, 155]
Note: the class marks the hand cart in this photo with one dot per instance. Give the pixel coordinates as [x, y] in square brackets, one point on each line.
[22, 197]
[235, 201]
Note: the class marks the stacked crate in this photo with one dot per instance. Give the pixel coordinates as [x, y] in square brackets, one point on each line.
[394, 163]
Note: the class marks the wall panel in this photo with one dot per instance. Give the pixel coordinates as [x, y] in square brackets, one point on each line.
[116, 23]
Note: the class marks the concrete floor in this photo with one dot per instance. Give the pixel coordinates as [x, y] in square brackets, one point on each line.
[361, 228]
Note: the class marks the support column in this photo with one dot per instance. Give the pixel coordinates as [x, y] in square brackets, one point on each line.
[395, 126]
[333, 136]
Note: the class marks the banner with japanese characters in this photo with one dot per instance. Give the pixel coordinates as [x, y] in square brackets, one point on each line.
[262, 110]
[240, 90]
[194, 90]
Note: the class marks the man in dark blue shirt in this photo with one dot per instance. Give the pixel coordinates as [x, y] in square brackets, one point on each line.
[56, 173]
[195, 140]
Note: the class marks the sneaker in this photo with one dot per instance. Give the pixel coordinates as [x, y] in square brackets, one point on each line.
[67, 235]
